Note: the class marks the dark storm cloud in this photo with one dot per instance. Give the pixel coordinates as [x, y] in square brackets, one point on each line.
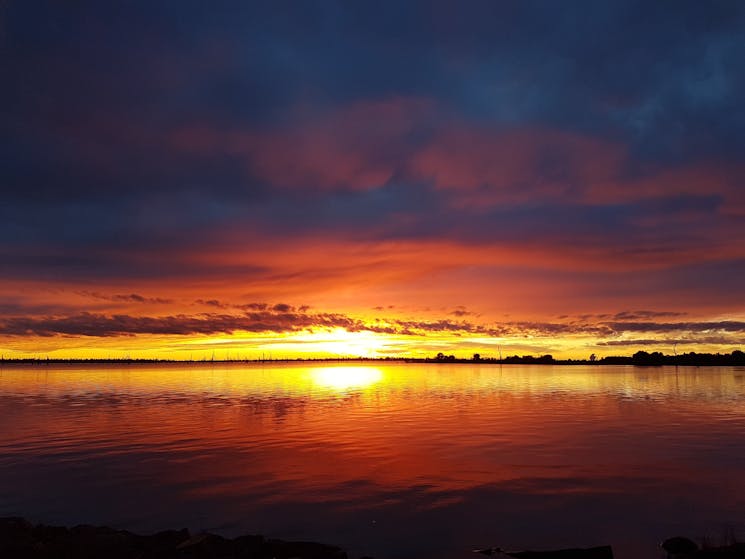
[279, 318]
[585, 328]
[100, 325]
[281, 321]
[142, 127]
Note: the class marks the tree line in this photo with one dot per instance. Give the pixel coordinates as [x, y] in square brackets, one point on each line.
[641, 358]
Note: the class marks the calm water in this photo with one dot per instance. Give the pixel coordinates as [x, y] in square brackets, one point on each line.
[393, 460]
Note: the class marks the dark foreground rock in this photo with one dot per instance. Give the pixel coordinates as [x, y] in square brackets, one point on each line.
[681, 547]
[602, 552]
[19, 539]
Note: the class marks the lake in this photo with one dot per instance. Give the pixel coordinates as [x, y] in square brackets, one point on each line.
[390, 460]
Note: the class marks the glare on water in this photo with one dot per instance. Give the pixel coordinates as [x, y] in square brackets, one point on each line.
[344, 378]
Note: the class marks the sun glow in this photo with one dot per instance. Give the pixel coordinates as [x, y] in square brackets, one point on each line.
[344, 378]
[337, 342]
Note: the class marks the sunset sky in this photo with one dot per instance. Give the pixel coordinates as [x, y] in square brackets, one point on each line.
[287, 179]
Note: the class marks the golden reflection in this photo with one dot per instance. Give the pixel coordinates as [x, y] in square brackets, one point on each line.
[266, 379]
[344, 378]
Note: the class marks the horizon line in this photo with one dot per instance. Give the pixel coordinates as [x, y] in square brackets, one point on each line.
[640, 357]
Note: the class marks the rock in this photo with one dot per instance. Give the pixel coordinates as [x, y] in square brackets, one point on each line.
[15, 527]
[46, 534]
[602, 552]
[162, 544]
[488, 551]
[679, 546]
[91, 542]
[249, 546]
[17, 538]
[167, 538]
[206, 545]
[304, 550]
[733, 551]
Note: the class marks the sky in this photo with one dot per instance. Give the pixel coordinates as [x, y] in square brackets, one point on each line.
[306, 179]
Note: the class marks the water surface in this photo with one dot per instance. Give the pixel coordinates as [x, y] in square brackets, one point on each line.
[390, 460]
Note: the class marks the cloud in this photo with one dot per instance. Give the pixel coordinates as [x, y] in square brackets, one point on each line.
[602, 329]
[663, 327]
[517, 165]
[126, 298]
[460, 311]
[515, 158]
[101, 325]
[279, 318]
[282, 318]
[709, 340]
[357, 147]
[368, 144]
[644, 315]
[211, 303]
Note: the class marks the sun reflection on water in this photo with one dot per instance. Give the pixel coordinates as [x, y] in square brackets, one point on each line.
[346, 378]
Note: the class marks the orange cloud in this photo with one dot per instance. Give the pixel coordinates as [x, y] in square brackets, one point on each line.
[518, 165]
[357, 147]
[367, 144]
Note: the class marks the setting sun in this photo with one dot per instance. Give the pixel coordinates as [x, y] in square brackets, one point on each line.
[334, 343]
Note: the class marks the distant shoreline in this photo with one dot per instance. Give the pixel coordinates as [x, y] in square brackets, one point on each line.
[640, 358]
